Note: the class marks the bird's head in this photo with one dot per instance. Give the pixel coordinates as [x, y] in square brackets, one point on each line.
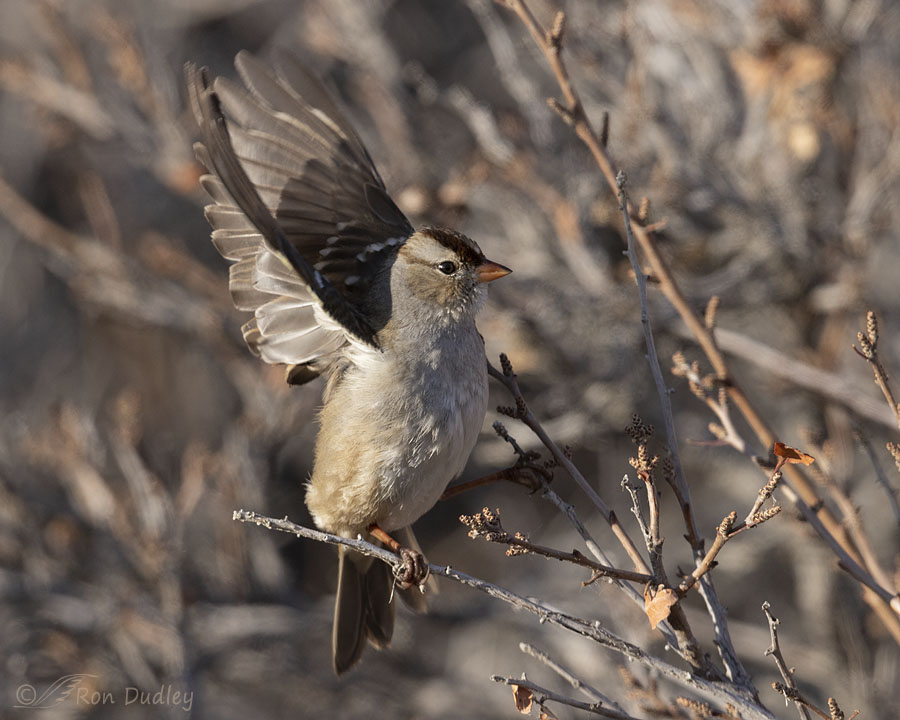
[446, 272]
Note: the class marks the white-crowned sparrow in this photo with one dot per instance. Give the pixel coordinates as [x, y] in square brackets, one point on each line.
[340, 284]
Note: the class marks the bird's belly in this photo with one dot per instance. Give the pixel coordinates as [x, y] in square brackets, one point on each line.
[436, 452]
[387, 457]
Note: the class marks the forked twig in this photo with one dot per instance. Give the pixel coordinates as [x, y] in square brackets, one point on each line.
[566, 675]
[774, 650]
[541, 695]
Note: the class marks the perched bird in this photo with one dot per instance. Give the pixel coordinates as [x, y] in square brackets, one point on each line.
[341, 285]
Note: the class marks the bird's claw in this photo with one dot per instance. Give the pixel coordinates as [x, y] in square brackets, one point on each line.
[412, 570]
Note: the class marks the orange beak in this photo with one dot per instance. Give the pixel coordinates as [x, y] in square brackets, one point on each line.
[488, 271]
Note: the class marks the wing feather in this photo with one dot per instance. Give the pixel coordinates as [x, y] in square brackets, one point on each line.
[299, 206]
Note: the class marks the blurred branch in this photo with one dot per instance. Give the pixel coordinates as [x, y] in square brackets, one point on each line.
[836, 386]
[33, 225]
[720, 691]
[880, 476]
[106, 277]
[715, 396]
[79, 107]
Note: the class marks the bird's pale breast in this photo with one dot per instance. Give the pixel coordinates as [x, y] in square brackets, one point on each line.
[394, 434]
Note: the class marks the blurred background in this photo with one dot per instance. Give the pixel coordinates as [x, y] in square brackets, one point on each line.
[133, 420]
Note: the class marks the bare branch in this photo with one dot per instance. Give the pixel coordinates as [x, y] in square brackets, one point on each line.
[836, 386]
[523, 474]
[721, 692]
[726, 530]
[632, 491]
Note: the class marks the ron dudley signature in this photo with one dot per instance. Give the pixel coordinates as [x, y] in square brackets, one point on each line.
[73, 688]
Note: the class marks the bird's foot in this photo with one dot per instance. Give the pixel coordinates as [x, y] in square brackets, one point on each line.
[412, 569]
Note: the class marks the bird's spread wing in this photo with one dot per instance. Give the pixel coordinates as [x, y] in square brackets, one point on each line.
[298, 206]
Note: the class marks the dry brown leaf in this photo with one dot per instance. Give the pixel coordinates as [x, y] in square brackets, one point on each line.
[792, 455]
[523, 698]
[547, 715]
[658, 602]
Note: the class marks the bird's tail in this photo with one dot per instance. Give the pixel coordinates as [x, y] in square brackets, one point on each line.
[363, 610]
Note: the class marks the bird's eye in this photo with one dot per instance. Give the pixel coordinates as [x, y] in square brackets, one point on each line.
[447, 267]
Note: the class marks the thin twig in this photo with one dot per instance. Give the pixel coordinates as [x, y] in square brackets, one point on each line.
[725, 532]
[645, 465]
[734, 668]
[597, 146]
[566, 675]
[728, 530]
[775, 651]
[685, 643]
[637, 598]
[636, 510]
[880, 476]
[765, 492]
[652, 357]
[542, 695]
[868, 350]
[542, 475]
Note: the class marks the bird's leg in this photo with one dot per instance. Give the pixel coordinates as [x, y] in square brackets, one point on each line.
[413, 570]
[525, 475]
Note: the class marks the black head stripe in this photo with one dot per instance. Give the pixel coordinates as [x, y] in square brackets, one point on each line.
[466, 248]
